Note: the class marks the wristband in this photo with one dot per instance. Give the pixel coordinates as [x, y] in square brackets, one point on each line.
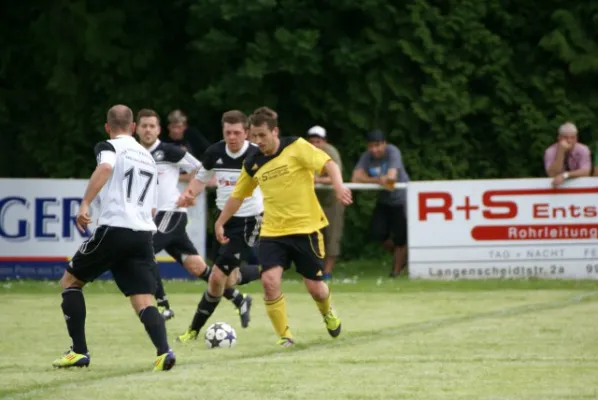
[566, 175]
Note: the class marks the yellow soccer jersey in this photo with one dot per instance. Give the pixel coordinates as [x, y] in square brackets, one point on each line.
[286, 180]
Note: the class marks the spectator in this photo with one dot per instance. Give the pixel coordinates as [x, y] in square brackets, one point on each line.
[595, 160]
[335, 211]
[382, 164]
[182, 134]
[567, 158]
[187, 137]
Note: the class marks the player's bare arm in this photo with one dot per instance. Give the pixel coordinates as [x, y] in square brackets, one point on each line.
[155, 204]
[191, 165]
[243, 189]
[187, 176]
[343, 193]
[195, 186]
[193, 189]
[213, 182]
[326, 180]
[97, 181]
[230, 208]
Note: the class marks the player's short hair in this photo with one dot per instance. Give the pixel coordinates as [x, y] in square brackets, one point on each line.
[264, 115]
[177, 117]
[146, 113]
[234, 117]
[119, 117]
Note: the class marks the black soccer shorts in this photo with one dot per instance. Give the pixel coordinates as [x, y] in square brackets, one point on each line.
[305, 251]
[389, 222]
[172, 235]
[243, 234]
[128, 254]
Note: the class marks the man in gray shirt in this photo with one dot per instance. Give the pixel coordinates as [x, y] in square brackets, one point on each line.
[382, 163]
[334, 210]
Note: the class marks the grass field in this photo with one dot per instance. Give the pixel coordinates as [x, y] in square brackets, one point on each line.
[401, 340]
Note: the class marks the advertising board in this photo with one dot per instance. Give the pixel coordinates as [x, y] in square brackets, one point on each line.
[516, 228]
[38, 235]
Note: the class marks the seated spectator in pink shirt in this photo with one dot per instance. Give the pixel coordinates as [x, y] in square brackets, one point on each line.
[567, 158]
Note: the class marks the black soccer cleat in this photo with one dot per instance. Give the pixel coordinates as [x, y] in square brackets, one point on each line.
[245, 310]
[166, 313]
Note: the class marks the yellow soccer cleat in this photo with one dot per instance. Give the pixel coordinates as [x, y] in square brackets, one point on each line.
[285, 342]
[187, 336]
[71, 359]
[333, 324]
[165, 362]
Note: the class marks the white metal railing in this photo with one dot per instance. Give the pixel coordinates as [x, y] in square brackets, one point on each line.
[350, 185]
[363, 186]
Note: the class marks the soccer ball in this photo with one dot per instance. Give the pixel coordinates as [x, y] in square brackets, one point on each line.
[220, 335]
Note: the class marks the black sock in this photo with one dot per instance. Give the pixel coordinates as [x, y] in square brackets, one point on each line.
[248, 273]
[234, 295]
[73, 308]
[155, 326]
[205, 309]
[161, 297]
[206, 273]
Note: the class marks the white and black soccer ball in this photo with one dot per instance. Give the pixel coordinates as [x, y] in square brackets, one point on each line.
[220, 335]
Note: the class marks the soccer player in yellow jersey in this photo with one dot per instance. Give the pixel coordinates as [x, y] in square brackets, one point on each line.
[291, 228]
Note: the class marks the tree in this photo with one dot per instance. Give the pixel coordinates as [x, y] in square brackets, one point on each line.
[467, 89]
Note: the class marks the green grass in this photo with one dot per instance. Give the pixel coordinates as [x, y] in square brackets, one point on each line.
[402, 340]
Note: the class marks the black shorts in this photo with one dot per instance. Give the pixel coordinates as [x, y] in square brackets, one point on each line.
[252, 258]
[172, 235]
[389, 222]
[305, 251]
[128, 254]
[243, 234]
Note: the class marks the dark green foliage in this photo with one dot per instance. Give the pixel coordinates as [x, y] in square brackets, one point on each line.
[466, 89]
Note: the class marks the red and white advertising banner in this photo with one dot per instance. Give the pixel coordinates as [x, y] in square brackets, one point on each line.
[515, 228]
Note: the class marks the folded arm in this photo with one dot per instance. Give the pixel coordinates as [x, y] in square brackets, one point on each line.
[360, 176]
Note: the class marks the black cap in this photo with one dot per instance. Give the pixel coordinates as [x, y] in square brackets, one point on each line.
[376, 136]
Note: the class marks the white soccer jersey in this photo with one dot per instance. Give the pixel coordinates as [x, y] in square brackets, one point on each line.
[128, 197]
[219, 161]
[170, 159]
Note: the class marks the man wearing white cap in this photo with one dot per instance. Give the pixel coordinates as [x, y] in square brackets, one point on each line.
[334, 210]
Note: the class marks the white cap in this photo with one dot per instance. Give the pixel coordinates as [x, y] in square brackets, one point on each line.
[317, 131]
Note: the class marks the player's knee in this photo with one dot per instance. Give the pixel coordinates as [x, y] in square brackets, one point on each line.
[271, 283]
[194, 264]
[317, 289]
[69, 281]
[217, 282]
[233, 278]
[141, 301]
[217, 275]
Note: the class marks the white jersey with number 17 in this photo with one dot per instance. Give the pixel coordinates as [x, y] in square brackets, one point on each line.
[128, 197]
